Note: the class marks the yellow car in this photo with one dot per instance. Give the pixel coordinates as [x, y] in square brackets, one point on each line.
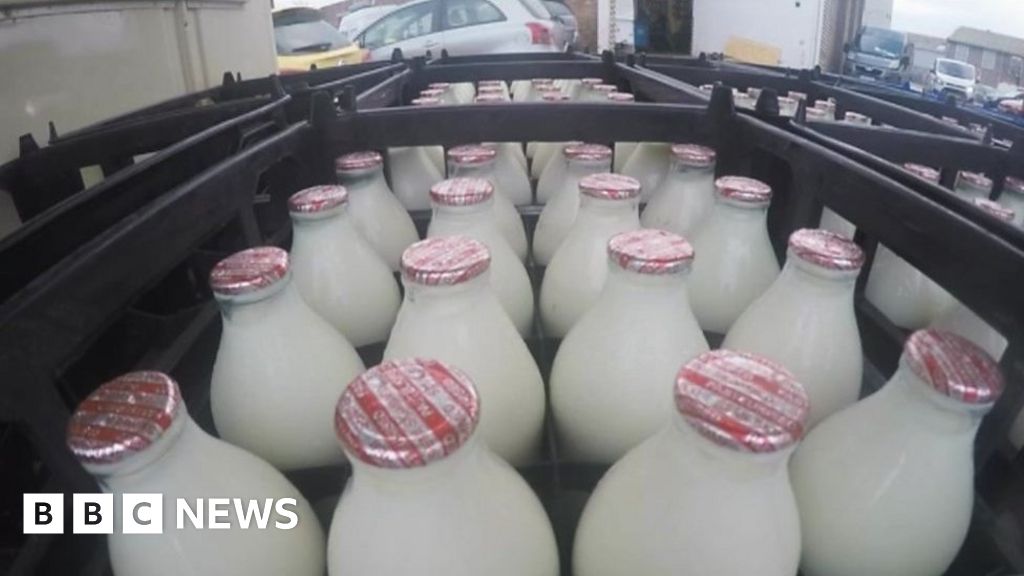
[305, 40]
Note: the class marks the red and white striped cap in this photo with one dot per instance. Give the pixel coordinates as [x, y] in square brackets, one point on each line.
[439, 85]
[491, 89]
[317, 199]
[359, 161]
[621, 97]
[857, 118]
[123, 417]
[554, 96]
[974, 180]
[541, 81]
[1015, 185]
[591, 81]
[996, 209]
[826, 250]
[798, 95]
[587, 152]
[445, 260]
[249, 271]
[431, 93]
[608, 186]
[426, 101]
[649, 251]
[921, 171]
[742, 401]
[489, 97]
[744, 190]
[953, 366]
[693, 155]
[407, 413]
[461, 191]
[491, 83]
[606, 88]
[472, 154]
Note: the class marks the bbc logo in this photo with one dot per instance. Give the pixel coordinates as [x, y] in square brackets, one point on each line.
[92, 514]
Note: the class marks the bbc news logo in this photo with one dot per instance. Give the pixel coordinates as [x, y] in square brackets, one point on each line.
[144, 513]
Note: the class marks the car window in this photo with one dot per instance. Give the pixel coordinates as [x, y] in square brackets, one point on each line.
[956, 69]
[537, 8]
[401, 25]
[558, 9]
[304, 31]
[461, 13]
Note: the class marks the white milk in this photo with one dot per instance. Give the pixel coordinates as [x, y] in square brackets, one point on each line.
[512, 178]
[699, 498]
[493, 87]
[411, 169]
[465, 207]
[686, 194]
[628, 345]
[886, 486]
[623, 150]
[544, 152]
[430, 499]
[649, 163]
[450, 313]
[440, 90]
[135, 436]
[551, 179]
[806, 320]
[735, 263]
[1013, 198]
[580, 161]
[378, 214]
[337, 272]
[971, 185]
[476, 161]
[278, 364]
[574, 278]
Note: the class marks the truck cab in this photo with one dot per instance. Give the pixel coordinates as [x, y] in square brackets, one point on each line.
[879, 54]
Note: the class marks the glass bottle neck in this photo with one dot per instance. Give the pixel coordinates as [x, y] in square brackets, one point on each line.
[358, 181]
[484, 170]
[801, 277]
[260, 306]
[463, 217]
[598, 210]
[912, 400]
[727, 211]
[577, 169]
[438, 472]
[150, 462]
[658, 290]
[685, 172]
[734, 462]
[448, 296]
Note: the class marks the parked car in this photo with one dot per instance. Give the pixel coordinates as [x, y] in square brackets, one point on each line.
[464, 27]
[304, 39]
[564, 15]
[879, 54]
[353, 23]
[952, 78]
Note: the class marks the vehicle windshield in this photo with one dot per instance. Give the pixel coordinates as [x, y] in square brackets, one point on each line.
[304, 31]
[956, 69]
[881, 42]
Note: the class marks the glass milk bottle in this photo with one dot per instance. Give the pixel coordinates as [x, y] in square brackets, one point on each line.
[278, 363]
[545, 152]
[552, 177]
[426, 495]
[623, 150]
[886, 486]
[442, 94]
[686, 194]
[378, 214]
[806, 321]
[971, 185]
[336, 271]
[512, 177]
[709, 493]
[134, 435]
[586, 92]
[411, 169]
[736, 263]
[493, 86]
[450, 313]
[476, 161]
[560, 211]
[574, 278]
[465, 207]
[628, 345]
[649, 163]
[857, 118]
[1013, 198]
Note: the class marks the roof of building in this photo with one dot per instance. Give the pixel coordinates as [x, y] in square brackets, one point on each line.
[923, 42]
[989, 40]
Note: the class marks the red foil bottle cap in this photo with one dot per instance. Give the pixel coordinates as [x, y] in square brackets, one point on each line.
[445, 260]
[857, 117]
[249, 271]
[317, 199]
[461, 191]
[744, 190]
[554, 96]
[694, 155]
[826, 250]
[649, 251]
[407, 413]
[359, 161]
[742, 401]
[587, 152]
[432, 92]
[621, 97]
[472, 154]
[488, 98]
[591, 81]
[607, 186]
[996, 209]
[953, 366]
[426, 101]
[606, 88]
[975, 180]
[1014, 185]
[123, 417]
[492, 83]
[926, 172]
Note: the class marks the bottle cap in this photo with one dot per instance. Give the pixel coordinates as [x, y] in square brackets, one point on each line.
[974, 180]
[489, 97]
[249, 271]
[431, 93]
[798, 95]
[649, 251]
[742, 401]
[358, 161]
[587, 152]
[407, 413]
[996, 209]
[857, 118]
[693, 155]
[554, 96]
[926, 172]
[426, 101]
[591, 81]
[317, 199]
[1015, 185]
[472, 154]
[953, 366]
[541, 81]
[606, 88]
[607, 186]
[826, 249]
[123, 417]
[743, 190]
[621, 97]
[461, 191]
[491, 84]
[445, 261]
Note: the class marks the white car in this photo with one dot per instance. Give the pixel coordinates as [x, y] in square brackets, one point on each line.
[952, 77]
[464, 27]
[353, 23]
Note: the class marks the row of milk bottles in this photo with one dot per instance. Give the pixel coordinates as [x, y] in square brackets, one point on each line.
[821, 110]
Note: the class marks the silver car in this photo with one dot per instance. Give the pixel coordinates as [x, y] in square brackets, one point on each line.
[464, 27]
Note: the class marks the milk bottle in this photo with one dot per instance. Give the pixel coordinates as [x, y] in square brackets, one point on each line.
[806, 321]
[553, 176]
[623, 150]
[543, 152]
[377, 213]
[560, 212]
[426, 495]
[709, 493]
[736, 263]
[336, 271]
[970, 185]
[649, 163]
[438, 93]
[621, 97]
[857, 118]
[600, 92]
[412, 168]
[575, 276]
[512, 177]
[477, 161]
[886, 486]
[465, 207]
[135, 436]
[924, 172]
[628, 345]
[278, 363]
[492, 86]
[687, 193]
[788, 106]
[447, 95]
[450, 313]
[587, 92]
[1013, 198]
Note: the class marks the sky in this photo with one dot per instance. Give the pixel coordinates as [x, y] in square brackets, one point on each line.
[941, 17]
